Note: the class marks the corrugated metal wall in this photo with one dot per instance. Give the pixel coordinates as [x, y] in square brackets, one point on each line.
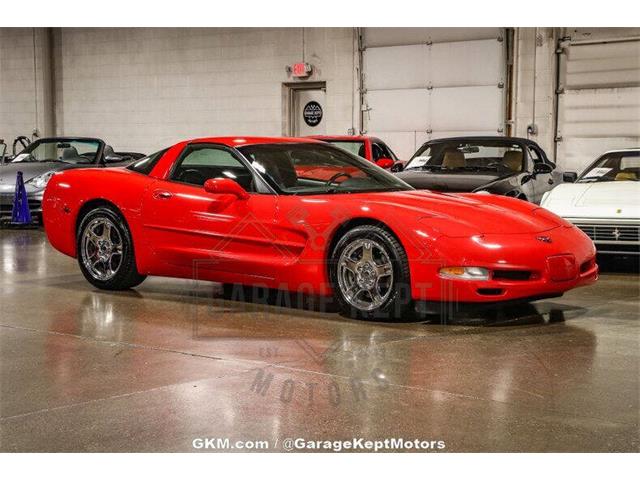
[599, 103]
[423, 83]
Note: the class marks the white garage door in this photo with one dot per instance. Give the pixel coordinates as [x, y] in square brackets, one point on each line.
[599, 107]
[424, 83]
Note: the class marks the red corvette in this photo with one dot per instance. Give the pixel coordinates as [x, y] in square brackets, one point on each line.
[370, 148]
[251, 211]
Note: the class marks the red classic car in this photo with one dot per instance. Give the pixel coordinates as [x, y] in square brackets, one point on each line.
[237, 210]
[370, 148]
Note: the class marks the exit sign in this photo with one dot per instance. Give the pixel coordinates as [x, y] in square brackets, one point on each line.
[301, 70]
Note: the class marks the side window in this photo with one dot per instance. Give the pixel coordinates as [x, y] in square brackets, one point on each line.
[630, 162]
[199, 163]
[210, 157]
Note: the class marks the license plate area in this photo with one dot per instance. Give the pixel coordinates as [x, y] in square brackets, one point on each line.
[562, 268]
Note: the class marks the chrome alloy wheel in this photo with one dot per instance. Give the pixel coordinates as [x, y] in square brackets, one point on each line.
[101, 248]
[365, 274]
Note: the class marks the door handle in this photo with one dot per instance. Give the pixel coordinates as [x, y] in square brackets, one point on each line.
[162, 194]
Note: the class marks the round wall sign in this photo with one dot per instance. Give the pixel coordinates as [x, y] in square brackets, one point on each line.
[312, 114]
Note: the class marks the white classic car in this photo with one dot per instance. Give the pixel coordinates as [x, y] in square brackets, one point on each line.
[604, 202]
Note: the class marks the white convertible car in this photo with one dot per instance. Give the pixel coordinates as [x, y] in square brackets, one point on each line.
[604, 202]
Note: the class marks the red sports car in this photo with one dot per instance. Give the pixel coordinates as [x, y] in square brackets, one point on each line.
[252, 211]
[370, 148]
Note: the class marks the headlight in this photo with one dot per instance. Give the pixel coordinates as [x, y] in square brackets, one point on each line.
[465, 273]
[40, 181]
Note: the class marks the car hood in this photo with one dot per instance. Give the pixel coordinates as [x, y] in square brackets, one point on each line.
[459, 214]
[9, 172]
[595, 200]
[447, 182]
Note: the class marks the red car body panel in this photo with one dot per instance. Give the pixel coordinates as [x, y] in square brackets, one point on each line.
[284, 241]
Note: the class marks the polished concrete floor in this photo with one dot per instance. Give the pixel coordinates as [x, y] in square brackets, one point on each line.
[155, 368]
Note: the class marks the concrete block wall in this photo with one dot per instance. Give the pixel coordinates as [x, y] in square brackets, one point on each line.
[25, 88]
[142, 89]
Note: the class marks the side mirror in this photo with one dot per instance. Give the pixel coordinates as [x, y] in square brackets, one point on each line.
[385, 163]
[541, 168]
[398, 167]
[569, 177]
[225, 185]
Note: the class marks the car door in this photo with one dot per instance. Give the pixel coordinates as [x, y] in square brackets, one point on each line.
[214, 236]
[541, 182]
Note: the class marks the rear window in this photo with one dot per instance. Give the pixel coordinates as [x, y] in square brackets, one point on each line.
[146, 164]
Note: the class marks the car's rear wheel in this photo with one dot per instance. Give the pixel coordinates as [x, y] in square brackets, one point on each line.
[105, 250]
[369, 274]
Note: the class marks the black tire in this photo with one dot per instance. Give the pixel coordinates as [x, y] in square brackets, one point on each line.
[398, 305]
[126, 274]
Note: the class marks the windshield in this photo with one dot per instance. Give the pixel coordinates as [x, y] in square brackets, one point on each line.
[309, 168]
[613, 167]
[355, 147]
[57, 150]
[499, 156]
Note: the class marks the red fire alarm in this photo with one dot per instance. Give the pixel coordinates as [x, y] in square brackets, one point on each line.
[301, 70]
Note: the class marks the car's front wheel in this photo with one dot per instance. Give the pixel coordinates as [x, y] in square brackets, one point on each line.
[105, 251]
[369, 273]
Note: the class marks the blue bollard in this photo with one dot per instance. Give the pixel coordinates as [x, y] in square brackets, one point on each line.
[20, 215]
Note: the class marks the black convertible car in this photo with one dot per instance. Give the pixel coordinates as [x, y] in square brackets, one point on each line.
[510, 166]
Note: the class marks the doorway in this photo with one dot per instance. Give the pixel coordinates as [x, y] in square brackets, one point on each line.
[305, 109]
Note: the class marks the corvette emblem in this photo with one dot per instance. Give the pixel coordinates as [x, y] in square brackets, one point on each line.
[544, 238]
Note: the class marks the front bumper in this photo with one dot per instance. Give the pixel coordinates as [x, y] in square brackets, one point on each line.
[522, 267]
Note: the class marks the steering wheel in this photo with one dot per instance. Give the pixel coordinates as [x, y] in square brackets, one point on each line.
[337, 176]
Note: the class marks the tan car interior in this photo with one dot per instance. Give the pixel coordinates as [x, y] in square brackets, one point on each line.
[626, 176]
[453, 159]
[512, 159]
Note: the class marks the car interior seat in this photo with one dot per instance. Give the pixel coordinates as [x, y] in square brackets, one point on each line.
[453, 159]
[626, 176]
[512, 159]
[281, 169]
[69, 153]
[376, 152]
